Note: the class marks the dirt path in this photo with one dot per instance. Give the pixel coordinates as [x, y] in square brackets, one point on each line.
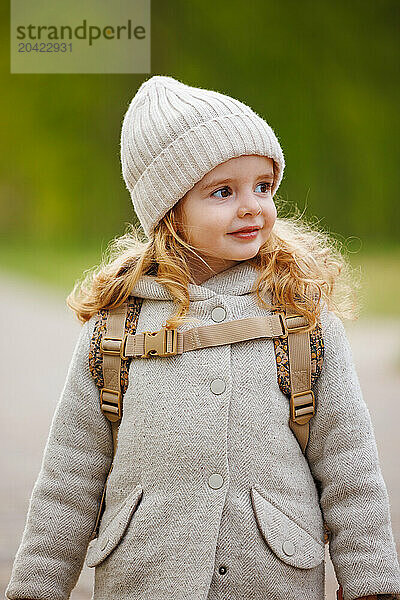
[38, 329]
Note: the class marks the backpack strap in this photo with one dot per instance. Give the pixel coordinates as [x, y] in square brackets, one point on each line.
[169, 342]
[110, 394]
[302, 400]
[293, 356]
[110, 370]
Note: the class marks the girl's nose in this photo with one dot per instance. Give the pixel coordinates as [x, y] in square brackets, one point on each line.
[249, 205]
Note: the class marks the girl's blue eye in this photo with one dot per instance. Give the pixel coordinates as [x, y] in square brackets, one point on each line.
[266, 183]
[264, 191]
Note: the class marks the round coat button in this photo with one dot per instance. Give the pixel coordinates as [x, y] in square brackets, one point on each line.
[218, 314]
[215, 481]
[222, 570]
[288, 547]
[218, 386]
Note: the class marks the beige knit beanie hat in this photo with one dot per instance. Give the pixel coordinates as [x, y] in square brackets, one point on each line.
[173, 134]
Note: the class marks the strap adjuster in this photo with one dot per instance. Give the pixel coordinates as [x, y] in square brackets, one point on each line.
[160, 343]
[111, 407]
[114, 346]
[297, 328]
[283, 318]
[301, 411]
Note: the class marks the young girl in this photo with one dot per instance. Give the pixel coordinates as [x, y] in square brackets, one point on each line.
[210, 496]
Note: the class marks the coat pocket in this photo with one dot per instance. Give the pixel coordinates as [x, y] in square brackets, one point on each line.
[290, 542]
[109, 538]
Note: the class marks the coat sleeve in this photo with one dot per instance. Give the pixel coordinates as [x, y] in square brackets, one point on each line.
[344, 461]
[66, 495]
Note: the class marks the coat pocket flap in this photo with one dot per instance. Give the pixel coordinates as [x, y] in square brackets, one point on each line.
[104, 544]
[290, 542]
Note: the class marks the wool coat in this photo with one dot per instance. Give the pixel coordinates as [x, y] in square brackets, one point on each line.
[210, 496]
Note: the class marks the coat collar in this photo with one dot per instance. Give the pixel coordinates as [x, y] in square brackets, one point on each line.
[234, 281]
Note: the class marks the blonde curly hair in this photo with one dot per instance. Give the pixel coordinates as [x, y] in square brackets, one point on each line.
[301, 265]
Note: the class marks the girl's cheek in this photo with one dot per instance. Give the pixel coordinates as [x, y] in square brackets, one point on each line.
[270, 214]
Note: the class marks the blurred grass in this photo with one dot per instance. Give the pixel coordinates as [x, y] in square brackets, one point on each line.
[380, 269]
[54, 265]
[59, 265]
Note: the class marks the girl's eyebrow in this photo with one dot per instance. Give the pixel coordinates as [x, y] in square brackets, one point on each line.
[215, 182]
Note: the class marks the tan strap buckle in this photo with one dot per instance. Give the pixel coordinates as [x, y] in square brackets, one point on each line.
[111, 407]
[298, 327]
[282, 319]
[160, 343]
[301, 411]
[286, 328]
[114, 346]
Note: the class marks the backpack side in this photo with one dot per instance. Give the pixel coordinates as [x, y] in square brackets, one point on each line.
[99, 331]
[96, 365]
[282, 359]
[281, 348]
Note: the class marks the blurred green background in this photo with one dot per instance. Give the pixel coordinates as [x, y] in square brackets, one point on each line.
[325, 75]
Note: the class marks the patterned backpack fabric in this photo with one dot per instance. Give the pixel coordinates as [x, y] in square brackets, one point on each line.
[95, 354]
[282, 358]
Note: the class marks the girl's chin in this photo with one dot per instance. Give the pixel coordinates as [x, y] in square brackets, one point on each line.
[244, 255]
[241, 245]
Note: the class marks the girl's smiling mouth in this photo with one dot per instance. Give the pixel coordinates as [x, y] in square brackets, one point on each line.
[247, 233]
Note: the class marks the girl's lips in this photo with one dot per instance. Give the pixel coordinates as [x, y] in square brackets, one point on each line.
[246, 235]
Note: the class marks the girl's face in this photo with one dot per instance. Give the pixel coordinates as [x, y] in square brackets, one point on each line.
[233, 195]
